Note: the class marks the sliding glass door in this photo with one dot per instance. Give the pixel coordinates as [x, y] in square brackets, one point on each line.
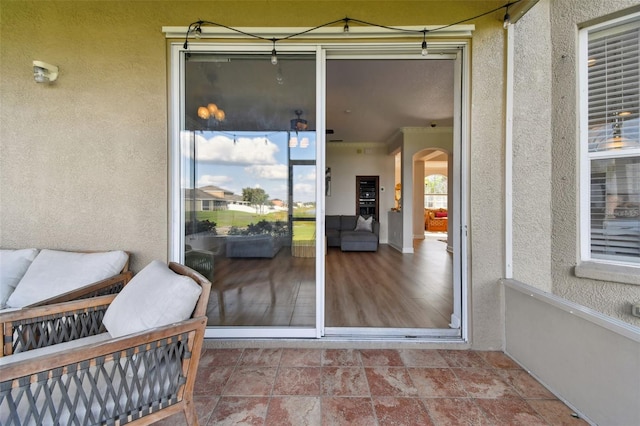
[248, 188]
[253, 179]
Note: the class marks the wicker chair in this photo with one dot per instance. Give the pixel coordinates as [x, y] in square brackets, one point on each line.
[60, 367]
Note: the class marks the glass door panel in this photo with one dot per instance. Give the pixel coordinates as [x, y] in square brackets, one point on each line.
[241, 190]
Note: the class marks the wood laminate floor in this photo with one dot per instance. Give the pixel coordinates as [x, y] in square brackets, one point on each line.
[363, 289]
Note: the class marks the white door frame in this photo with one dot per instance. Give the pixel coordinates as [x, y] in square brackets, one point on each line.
[401, 50]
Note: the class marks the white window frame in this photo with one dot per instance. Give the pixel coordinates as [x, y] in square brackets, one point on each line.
[588, 267]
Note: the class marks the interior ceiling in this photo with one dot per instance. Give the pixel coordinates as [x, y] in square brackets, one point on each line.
[369, 100]
[366, 100]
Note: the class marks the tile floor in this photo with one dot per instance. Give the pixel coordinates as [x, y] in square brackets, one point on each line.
[369, 387]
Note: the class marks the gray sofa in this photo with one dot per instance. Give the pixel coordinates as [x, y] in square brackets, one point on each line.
[339, 230]
[253, 245]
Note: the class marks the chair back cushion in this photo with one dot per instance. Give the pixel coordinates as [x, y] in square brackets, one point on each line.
[54, 272]
[154, 297]
[13, 265]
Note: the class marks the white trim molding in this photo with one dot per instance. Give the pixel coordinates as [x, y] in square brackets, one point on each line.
[460, 31]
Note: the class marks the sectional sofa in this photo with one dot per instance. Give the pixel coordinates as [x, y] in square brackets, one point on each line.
[352, 232]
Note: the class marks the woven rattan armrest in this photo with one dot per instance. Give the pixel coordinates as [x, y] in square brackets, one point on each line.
[25, 324]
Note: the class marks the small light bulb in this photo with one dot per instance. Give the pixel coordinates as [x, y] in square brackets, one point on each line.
[274, 57]
[345, 29]
[280, 77]
[197, 33]
[424, 48]
[507, 21]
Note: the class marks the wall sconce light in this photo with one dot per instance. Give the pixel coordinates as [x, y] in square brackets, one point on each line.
[44, 73]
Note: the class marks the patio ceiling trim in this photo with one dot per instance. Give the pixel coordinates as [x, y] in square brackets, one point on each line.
[455, 31]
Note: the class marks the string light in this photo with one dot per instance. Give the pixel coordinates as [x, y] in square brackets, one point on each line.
[507, 19]
[274, 56]
[424, 43]
[195, 29]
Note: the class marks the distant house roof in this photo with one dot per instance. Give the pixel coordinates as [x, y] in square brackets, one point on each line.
[198, 194]
[213, 188]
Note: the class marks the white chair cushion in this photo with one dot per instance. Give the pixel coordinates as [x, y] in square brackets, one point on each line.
[13, 265]
[154, 297]
[55, 272]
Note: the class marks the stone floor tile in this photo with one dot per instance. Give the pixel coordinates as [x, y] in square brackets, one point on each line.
[219, 357]
[555, 412]
[462, 358]
[390, 381]
[294, 411]
[251, 381]
[341, 358]
[525, 385]
[422, 358]
[381, 358]
[455, 411]
[297, 381]
[261, 357]
[211, 381]
[240, 411]
[301, 358]
[344, 381]
[394, 411]
[498, 359]
[436, 382]
[204, 408]
[484, 383]
[347, 411]
[510, 412]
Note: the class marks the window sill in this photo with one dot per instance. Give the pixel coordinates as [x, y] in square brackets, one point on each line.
[607, 272]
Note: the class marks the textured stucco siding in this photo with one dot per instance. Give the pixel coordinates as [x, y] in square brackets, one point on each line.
[487, 182]
[610, 298]
[532, 143]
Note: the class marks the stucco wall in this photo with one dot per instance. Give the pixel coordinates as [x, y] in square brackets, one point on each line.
[532, 144]
[83, 162]
[486, 182]
[610, 298]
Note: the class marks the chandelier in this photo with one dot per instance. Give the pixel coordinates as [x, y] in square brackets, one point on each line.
[212, 114]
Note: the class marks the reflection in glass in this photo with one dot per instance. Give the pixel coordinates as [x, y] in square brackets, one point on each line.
[241, 191]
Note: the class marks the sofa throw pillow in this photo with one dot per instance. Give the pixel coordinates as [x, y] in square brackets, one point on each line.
[13, 265]
[54, 272]
[364, 224]
[154, 297]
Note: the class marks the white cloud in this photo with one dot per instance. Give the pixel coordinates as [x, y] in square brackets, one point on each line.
[213, 180]
[278, 171]
[304, 192]
[222, 149]
[309, 176]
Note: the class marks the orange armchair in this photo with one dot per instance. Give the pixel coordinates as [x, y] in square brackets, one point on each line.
[435, 220]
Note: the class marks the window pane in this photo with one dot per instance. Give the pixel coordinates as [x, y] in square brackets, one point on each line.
[240, 188]
[615, 206]
[435, 192]
[614, 93]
